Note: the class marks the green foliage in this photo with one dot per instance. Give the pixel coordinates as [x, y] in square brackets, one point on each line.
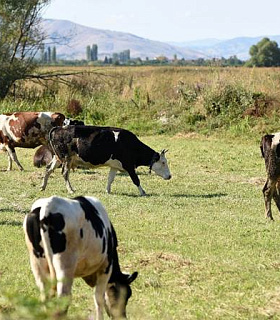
[228, 100]
[20, 40]
[264, 54]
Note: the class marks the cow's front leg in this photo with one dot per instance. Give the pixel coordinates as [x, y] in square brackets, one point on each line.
[49, 170]
[136, 181]
[99, 297]
[10, 163]
[111, 178]
[268, 191]
[13, 157]
[65, 172]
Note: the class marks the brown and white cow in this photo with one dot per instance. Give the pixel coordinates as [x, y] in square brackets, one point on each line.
[26, 130]
[270, 149]
[68, 238]
[94, 146]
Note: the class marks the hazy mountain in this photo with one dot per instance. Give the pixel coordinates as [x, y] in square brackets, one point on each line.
[226, 48]
[79, 37]
[196, 43]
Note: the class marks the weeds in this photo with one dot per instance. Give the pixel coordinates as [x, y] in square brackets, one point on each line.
[161, 100]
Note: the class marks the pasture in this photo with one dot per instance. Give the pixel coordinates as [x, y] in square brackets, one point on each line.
[200, 242]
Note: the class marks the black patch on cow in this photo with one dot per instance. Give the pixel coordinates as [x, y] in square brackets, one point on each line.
[33, 232]
[92, 215]
[104, 245]
[55, 224]
[278, 150]
[96, 149]
[113, 256]
[81, 233]
[110, 245]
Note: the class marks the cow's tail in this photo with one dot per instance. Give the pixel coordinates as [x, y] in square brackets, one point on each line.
[44, 231]
[51, 137]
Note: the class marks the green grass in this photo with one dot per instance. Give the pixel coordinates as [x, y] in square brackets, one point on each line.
[200, 242]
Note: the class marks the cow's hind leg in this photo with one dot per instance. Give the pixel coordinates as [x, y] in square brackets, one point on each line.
[66, 172]
[268, 191]
[13, 157]
[39, 267]
[111, 178]
[49, 170]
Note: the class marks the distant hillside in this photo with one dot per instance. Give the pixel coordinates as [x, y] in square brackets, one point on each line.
[108, 42]
[225, 48]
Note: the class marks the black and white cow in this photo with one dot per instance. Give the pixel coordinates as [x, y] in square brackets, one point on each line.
[270, 148]
[94, 146]
[44, 154]
[68, 238]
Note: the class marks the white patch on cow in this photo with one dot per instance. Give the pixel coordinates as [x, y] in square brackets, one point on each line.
[3, 119]
[275, 140]
[16, 134]
[161, 167]
[114, 163]
[116, 134]
[44, 118]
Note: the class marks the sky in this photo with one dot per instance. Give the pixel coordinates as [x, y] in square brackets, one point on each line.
[176, 20]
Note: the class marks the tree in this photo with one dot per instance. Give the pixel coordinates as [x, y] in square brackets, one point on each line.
[53, 55]
[94, 52]
[20, 39]
[264, 54]
[88, 52]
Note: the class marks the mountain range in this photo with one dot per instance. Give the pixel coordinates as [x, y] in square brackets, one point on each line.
[71, 40]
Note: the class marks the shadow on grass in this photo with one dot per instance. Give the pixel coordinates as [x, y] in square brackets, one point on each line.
[201, 196]
[11, 223]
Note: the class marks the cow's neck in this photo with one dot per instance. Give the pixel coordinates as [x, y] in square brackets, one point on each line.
[145, 157]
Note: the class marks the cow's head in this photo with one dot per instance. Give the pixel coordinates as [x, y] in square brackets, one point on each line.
[159, 165]
[117, 295]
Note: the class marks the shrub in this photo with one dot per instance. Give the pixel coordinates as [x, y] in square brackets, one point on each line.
[74, 108]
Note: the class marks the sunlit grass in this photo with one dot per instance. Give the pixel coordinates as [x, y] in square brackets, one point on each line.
[200, 241]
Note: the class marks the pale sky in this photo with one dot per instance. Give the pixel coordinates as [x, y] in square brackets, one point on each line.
[176, 20]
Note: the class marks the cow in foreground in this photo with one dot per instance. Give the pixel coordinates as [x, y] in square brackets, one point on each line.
[26, 130]
[270, 148]
[75, 238]
[94, 146]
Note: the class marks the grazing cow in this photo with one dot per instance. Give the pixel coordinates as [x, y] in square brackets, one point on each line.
[69, 238]
[26, 130]
[94, 146]
[42, 156]
[270, 148]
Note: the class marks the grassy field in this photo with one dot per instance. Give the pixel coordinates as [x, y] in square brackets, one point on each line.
[200, 242]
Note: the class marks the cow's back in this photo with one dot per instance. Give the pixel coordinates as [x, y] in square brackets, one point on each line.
[29, 129]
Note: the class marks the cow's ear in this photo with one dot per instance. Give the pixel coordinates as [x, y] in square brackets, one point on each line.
[163, 152]
[132, 277]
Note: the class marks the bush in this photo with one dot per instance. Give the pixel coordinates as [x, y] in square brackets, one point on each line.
[74, 108]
